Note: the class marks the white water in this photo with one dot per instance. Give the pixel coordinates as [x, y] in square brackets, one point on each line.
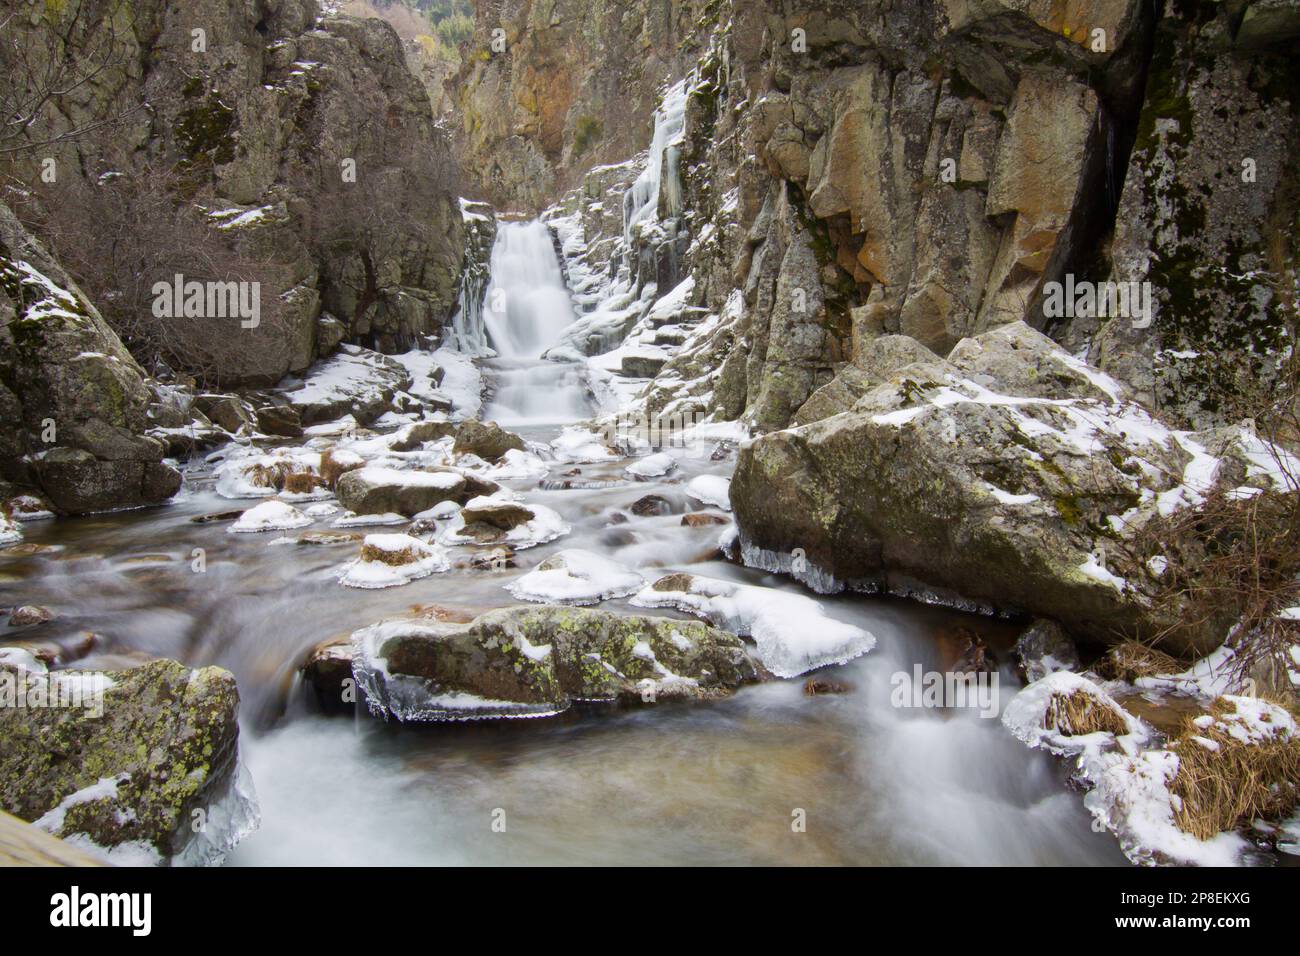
[526, 308]
[527, 304]
[642, 200]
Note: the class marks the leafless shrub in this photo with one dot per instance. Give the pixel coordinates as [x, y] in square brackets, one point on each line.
[46, 66]
[1234, 561]
[379, 219]
[123, 231]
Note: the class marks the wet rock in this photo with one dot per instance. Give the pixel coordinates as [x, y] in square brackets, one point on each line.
[967, 652]
[374, 490]
[702, 519]
[279, 420]
[328, 671]
[217, 516]
[651, 505]
[326, 538]
[30, 615]
[1045, 647]
[79, 482]
[816, 686]
[227, 411]
[488, 440]
[502, 515]
[521, 662]
[411, 438]
[494, 559]
[129, 778]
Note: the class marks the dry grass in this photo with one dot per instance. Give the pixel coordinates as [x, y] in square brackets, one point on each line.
[301, 482]
[331, 470]
[1078, 714]
[1133, 659]
[268, 476]
[1221, 790]
[392, 558]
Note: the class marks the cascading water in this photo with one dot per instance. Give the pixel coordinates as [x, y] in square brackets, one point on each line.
[526, 308]
[642, 200]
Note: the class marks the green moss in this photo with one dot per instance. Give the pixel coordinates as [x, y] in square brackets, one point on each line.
[205, 132]
[587, 131]
[1067, 506]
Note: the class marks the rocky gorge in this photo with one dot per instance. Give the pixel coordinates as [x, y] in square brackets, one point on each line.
[702, 368]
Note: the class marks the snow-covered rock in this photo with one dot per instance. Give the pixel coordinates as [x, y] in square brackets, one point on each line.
[652, 466]
[1011, 477]
[536, 661]
[792, 632]
[270, 516]
[711, 489]
[575, 577]
[488, 520]
[391, 560]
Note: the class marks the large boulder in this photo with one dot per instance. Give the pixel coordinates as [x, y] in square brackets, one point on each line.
[987, 481]
[488, 440]
[537, 661]
[377, 490]
[131, 761]
[74, 401]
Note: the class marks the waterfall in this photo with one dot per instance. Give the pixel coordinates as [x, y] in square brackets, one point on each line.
[642, 201]
[526, 308]
[527, 304]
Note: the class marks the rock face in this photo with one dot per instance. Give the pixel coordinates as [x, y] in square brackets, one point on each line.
[538, 661]
[848, 171]
[561, 88]
[72, 401]
[129, 778]
[272, 124]
[1208, 213]
[1009, 476]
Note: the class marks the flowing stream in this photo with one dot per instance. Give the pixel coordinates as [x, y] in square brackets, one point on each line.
[718, 782]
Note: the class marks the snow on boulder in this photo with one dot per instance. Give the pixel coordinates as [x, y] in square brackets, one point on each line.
[10, 530]
[537, 661]
[580, 446]
[270, 516]
[652, 466]
[493, 520]
[353, 381]
[574, 576]
[391, 560]
[791, 631]
[375, 489]
[711, 489]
